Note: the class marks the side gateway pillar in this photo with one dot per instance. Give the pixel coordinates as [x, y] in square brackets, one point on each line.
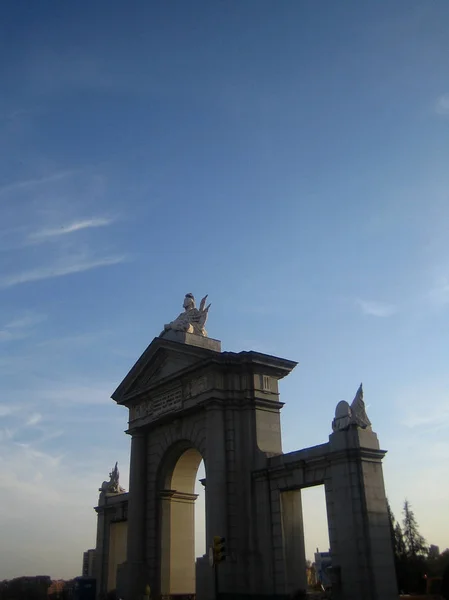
[111, 509]
[361, 551]
[100, 549]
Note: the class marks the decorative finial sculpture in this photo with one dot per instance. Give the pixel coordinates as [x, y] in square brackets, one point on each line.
[358, 411]
[346, 415]
[112, 486]
[192, 320]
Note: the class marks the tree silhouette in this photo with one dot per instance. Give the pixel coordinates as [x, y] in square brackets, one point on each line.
[415, 544]
[391, 522]
[400, 548]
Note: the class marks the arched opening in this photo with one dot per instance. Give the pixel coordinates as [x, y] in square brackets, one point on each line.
[177, 526]
[200, 512]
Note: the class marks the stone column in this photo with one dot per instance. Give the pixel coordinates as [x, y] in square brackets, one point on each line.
[293, 536]
[216, 488]
[177, 542]
[136, 517]
[361, 551]
[165, 525]
[215, 474]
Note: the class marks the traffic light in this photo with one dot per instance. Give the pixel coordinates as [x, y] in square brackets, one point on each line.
[219, 549]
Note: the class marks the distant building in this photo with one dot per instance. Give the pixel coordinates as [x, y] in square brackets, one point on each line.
[88, 563]
[323, 563]
[56, 589]
[434, 552]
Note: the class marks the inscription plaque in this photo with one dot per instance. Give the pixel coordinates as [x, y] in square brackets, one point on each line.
[167, 402]
[157, 405]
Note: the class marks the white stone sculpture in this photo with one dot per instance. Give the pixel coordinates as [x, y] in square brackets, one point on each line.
[342, 418]
[355, 414]
[112, 486]
[358, 412]
[192, 320]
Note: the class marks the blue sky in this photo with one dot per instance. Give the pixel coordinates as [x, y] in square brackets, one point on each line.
[290, 159]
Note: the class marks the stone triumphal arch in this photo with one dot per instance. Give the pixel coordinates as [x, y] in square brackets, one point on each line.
[190, 401]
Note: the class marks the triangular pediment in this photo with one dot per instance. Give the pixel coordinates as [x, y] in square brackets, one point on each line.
[162, 360]
[163, 367]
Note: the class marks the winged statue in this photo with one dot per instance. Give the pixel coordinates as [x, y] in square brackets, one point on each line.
[355, 414]
[112, 486]
[192, 320]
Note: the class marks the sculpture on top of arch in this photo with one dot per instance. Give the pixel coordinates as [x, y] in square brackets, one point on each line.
[192, 320]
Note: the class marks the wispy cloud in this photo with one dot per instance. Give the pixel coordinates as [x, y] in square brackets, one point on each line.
[76, 395]
[9, 336]
[5, 410]
[375, 309]
[75, 341]
[46, 234]
[26, 320]
[20, 327]
[28, 184]
[34, 419]
[46, 472]
[439, 294]
[442, 105]
[432, 419]
[15, 114]
[49, 459]
[424, 406]
[59, 270]
[64, 395]
[6, 434]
